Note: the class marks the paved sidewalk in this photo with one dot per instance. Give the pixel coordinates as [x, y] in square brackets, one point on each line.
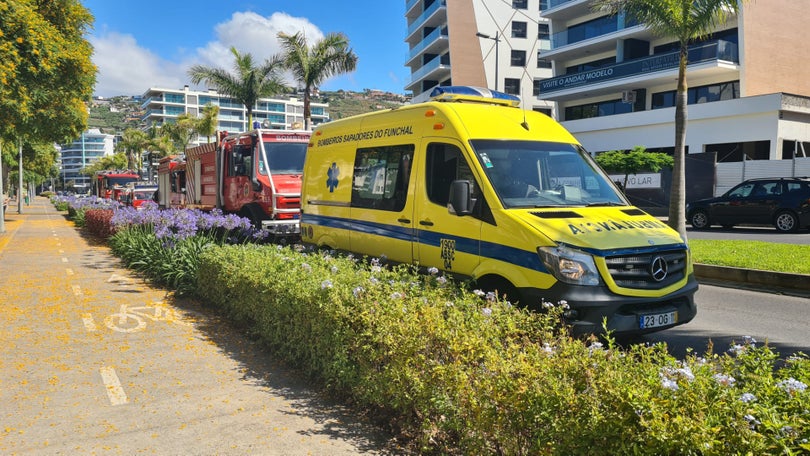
[97, 361]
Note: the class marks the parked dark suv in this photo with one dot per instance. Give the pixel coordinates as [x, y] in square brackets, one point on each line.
[781, 202]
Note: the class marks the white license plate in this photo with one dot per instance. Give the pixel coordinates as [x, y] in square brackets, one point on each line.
[656, 320]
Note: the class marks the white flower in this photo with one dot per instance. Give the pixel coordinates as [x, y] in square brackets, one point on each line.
[326, 284]
[669, 384]
[725, 380]
[791, 386]
[736, 349]
[334, 269]
[595, 346]
[376, 268]
[748, 340]
[548, 348]
[306, 267]
[486, 311]
[478, 293]
[396, 295]
[564, 304]
[358, 291]
[547, 305]
[492, 297]
[433, 270]
[442, 280]
[748, 397]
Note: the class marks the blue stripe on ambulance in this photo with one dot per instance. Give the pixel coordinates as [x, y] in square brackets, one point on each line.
[500, 252]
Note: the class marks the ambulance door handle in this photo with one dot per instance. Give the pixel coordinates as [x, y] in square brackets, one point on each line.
[426, 222]
[403, 220]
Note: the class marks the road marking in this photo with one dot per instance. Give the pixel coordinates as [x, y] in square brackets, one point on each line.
[89, 324]
[113, 386]
[77, 290]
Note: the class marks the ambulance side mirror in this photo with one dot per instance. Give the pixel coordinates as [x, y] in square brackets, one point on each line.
[461, 200]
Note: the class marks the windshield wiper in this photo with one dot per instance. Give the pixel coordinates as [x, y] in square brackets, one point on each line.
[604, 203]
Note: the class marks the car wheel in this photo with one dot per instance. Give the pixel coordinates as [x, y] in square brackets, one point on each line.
[699, 220]
[786, 222]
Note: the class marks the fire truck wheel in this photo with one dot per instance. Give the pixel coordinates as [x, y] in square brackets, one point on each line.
[254, 215]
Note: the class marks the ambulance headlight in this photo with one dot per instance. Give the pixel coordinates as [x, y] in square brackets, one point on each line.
[569, 265]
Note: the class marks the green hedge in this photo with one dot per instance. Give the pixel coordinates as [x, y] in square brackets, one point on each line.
[460, 373]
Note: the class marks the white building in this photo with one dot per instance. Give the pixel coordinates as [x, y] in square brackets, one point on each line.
[164, 105]
[749, 92]
[493, 44]
[89, 147]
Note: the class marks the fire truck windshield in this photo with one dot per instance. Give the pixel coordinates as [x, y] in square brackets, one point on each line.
[284, 158]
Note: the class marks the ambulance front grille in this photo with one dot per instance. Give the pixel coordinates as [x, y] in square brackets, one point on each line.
[647, 271]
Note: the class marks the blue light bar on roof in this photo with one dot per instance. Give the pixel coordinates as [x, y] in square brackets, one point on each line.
[469, 93]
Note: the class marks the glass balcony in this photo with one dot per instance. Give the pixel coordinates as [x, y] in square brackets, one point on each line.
[428, 68]
[425, 15]
[719, 50]
[427, 41]
[590, 29]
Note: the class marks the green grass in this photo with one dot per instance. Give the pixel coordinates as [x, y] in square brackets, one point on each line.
[766, 256]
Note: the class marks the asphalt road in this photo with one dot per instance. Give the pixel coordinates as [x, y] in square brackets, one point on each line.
[764, 234]
[726, 315]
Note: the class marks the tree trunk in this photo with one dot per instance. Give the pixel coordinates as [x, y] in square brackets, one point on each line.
[677, 196]
[307, 111]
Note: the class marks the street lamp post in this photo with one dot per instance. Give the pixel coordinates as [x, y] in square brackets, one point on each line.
[496, 40]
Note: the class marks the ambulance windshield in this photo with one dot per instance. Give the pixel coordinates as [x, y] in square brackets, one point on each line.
[284, 158]
[544, 174]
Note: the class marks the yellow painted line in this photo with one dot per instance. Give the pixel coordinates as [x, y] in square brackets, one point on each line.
[115, 392]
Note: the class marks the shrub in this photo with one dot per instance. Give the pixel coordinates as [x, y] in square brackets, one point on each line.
[467, 374]
[98, 222]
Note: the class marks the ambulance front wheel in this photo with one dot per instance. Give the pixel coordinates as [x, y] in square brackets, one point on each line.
[501, 286]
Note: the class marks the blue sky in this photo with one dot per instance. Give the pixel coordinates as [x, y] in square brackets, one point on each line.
[147, 43]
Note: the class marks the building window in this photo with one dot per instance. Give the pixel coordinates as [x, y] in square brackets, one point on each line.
[546, 111]
[519, 29]
[518, 58]
[541, 62]
[536, 87]
[543, 32]
[512, 86]
[520, 4]
[601, 109]
[543, 5]
[697, 95]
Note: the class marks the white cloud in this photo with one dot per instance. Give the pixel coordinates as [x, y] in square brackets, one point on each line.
[125, 68]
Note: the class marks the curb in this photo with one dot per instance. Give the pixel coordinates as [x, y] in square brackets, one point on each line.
[776, 282]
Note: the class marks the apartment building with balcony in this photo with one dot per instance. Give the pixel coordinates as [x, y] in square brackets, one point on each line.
[164, 105]
[614, 83]
[493, 44]
[82, 152]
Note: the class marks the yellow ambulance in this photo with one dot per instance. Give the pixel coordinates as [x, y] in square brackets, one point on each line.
[473, 185]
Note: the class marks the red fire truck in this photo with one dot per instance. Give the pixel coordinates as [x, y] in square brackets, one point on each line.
[112, 184]
[256, 174]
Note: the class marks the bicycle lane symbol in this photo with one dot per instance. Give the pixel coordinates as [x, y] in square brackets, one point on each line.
[132, 319]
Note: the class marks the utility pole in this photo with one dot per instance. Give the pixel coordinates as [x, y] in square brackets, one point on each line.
[496, 40]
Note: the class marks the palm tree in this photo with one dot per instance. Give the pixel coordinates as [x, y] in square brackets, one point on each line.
[686, 20]
[134, 142]
[311, 66]
[248, 84]
[207, 124]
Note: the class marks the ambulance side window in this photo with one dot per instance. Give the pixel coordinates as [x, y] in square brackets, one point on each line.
[381, 177]
[445, 163]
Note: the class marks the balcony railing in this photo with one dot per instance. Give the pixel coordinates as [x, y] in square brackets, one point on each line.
[427, 41]
[592, 29]
[429, 67]
[719, 50]
[423, 17]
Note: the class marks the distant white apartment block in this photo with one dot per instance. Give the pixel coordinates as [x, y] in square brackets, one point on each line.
[164, 105]
[483, 43]
[82, 152]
